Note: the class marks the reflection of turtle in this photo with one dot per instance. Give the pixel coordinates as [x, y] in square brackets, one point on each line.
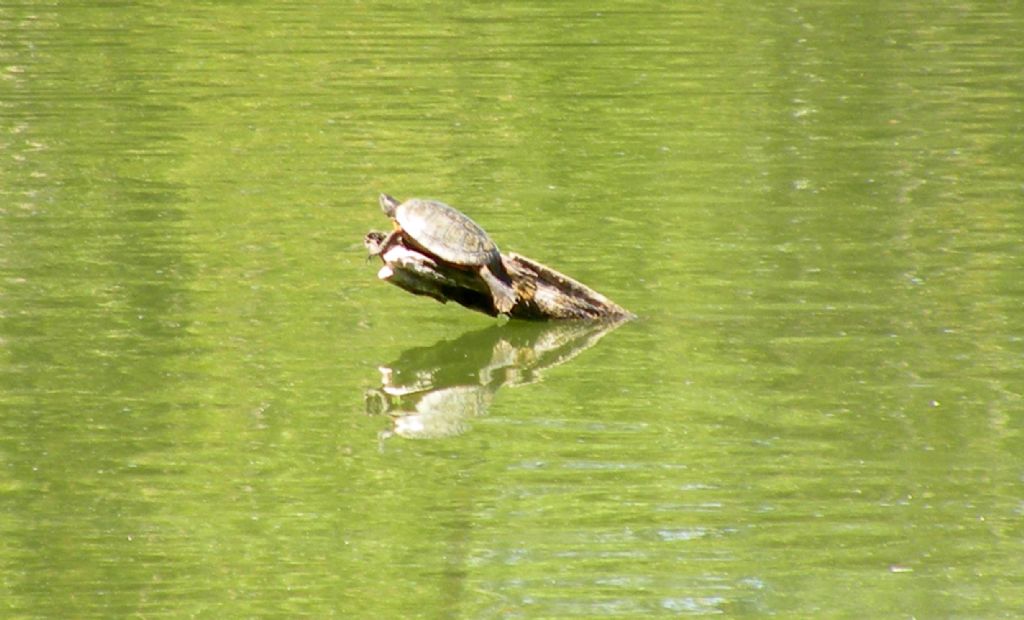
[442, 413]
[449, 235]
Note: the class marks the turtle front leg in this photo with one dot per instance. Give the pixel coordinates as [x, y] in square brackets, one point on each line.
[385, 244]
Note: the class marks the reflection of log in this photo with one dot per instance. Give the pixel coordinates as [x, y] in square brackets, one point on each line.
[542, 293]
[436, 391]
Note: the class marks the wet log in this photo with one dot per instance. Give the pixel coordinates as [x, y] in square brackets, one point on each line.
[542, 293]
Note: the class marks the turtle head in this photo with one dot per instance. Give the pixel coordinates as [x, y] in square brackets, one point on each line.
[388, 204]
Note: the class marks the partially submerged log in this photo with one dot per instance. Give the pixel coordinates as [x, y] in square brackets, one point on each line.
[541, 292]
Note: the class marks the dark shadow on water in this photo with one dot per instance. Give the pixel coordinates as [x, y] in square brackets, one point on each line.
[434, 391]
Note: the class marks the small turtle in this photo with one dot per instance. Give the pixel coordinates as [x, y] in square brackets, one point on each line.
[449, 235]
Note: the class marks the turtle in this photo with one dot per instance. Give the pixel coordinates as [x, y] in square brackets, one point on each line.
[449, 235]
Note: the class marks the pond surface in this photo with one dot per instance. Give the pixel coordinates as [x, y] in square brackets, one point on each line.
[210, 406]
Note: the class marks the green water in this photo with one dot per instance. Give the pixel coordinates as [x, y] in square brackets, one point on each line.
[210, 406]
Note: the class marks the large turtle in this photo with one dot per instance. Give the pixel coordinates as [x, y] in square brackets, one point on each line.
[449, 235]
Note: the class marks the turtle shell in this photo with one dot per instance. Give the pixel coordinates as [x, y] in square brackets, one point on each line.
[445, 232]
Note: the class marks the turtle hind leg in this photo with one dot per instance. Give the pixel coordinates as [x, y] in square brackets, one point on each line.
[503, 294]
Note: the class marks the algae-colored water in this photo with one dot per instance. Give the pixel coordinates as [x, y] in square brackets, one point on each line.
[210, 407]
